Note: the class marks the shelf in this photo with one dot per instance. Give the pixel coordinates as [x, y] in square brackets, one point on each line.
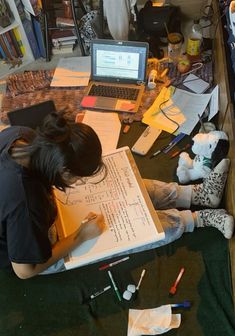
[5, 69]
[13, 25]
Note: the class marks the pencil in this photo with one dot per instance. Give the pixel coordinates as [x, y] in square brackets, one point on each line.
[180, 151]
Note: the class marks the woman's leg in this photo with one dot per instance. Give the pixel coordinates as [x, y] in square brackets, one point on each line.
[175, 223]
[207, 194]
[217, 218]
[168, 195]
[210, 192]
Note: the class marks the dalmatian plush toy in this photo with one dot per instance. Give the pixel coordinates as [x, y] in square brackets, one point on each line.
[209, 149]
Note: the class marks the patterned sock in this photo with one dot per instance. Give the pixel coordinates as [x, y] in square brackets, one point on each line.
[210, 192]
[217, 218]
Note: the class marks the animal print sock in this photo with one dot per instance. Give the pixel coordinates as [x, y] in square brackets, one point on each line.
[217, 218]
[210, 192]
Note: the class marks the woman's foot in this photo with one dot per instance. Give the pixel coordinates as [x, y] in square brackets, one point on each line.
[217, 218]
[210, 192]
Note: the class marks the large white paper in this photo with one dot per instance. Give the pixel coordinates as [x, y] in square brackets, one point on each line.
[131, 222]
[192, 105]
[107, 125]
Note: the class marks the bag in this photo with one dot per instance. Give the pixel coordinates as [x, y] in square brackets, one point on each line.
[89, 27]
[153, 20]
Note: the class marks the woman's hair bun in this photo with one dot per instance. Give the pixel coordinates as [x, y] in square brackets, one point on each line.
[55, 128]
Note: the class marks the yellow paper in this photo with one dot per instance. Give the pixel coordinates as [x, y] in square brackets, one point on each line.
[154, 116]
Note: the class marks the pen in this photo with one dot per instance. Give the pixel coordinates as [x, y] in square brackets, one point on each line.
[173, 288]
[185, 304]
[141, 278]
[86, 220]
[93, 296]
[114, 286]
[173, 142]
[180, 151]
[167, 148]
[156, 153]
[112, 263]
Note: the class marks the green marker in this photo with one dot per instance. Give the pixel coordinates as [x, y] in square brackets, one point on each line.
[114, 286]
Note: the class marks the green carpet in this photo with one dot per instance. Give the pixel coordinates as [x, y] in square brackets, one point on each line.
[52, 305]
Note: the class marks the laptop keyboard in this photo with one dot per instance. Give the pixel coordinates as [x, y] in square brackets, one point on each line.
[114, 92]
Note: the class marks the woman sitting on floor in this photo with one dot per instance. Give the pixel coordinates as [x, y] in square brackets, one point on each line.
[60, 152]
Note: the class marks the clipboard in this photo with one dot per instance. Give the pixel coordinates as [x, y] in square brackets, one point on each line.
[129, 214]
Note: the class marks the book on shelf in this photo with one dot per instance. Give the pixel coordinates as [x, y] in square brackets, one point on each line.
[28, 28]
[36, 22]
[3, 55]
[20, 9]
[12, 44]
[131, 220]
[63, 43]
[9, 45]
[19, 41]
[67, 49]
[32, 6]
[4, 47]
[15, 43]
[58, 44]
[64, 22]
[61, 33]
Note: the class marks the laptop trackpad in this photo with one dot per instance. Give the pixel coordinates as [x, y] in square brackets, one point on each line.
[114, 104]
[106, 103]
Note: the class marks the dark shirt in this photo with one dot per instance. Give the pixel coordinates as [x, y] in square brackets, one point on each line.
[26, 207]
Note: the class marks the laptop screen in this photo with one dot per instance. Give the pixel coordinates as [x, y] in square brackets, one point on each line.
[119, 61]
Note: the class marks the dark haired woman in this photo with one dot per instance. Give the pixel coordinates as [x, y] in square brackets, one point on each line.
[57, 155]
[30, 164]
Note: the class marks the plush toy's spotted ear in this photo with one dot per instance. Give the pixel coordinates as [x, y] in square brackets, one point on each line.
[220, 152]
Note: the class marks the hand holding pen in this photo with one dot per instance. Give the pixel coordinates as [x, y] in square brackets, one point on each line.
[92, 226]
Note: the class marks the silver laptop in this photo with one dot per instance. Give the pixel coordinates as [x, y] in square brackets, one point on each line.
[118, 75]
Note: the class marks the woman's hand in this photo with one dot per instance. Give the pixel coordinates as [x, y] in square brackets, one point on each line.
[92, 226]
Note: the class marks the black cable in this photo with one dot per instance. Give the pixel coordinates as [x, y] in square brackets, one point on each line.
[165, 101]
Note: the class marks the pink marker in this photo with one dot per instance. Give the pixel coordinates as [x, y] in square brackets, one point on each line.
[113, 263]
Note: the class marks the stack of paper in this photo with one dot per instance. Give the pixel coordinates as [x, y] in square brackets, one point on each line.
[178, 111]
[107, 126]
[72, 71]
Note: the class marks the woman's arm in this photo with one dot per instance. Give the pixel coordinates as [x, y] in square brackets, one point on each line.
[62, 248]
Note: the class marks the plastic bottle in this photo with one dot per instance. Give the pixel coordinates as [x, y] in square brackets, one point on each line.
[152, 79]
[194, 41]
